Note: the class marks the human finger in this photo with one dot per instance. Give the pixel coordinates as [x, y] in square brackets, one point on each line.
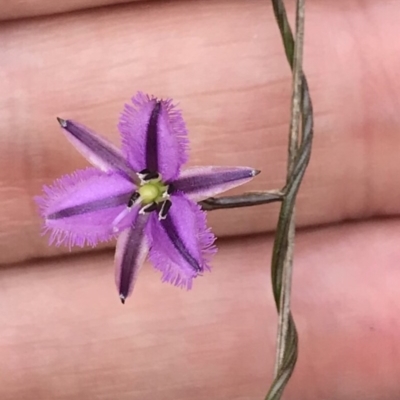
[35, 8]
[65, 334]
[85, 66]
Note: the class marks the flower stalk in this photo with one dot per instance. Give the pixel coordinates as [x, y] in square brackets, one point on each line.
[248, 199]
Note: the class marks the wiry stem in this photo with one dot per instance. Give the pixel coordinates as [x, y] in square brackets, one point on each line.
[283, 325]
[299, 155]
[244, 200]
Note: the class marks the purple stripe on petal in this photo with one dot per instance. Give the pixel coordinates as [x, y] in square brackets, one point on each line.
[154, 136]
[200, 183]
[170, 229]
[180, 245]
[97, 150]
[133, 125]
[92, 206]
[152, 139]
[80, 208]
[130, 255]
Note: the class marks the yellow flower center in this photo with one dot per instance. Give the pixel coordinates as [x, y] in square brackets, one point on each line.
[152, 191]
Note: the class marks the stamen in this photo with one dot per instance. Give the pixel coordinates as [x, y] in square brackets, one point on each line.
[165, 207]
[148, 208]
[133, 199]
[150, 176]
[146, 175]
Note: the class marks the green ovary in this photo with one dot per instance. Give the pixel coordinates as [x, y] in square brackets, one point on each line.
[152, 192]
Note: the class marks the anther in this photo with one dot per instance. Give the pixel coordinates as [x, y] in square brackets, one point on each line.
[151, 175]
[146, 175]
[163, 210]
[148, 208]
[132, 200]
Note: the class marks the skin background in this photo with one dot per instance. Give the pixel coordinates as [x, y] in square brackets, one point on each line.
[65, 334]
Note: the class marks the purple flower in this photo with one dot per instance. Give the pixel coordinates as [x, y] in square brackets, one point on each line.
[140, 194]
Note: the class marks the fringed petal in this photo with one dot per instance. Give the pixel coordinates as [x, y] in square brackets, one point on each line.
[181, 244]
[130, 255]
[199, 183]
[80, 208]
[154, 136]
[96, 149]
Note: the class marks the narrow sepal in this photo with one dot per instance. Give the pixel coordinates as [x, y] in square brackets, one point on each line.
[199, 183]
[96, 149]
[154, 136]
[130, 255]
[79, 208]
[181, 244]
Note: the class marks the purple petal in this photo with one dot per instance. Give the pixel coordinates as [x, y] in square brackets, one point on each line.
[200, 183]
[80, 208]
[96, 149]
[154, 136]
[181, 244]
[130, 254]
